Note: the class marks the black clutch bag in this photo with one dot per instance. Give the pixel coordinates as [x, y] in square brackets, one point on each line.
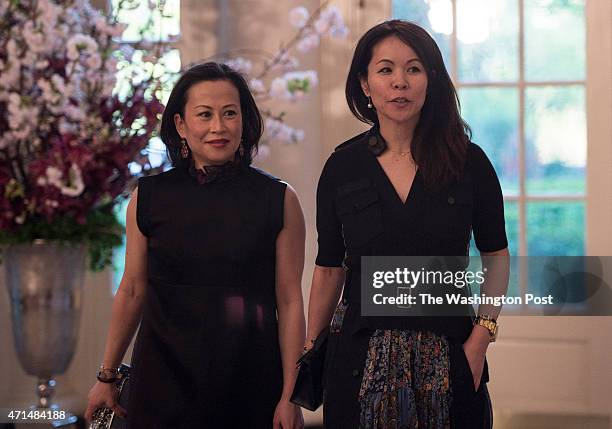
[105, 418]
[308, 390]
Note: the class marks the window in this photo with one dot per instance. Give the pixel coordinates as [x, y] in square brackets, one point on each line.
[147, 21]
[519, 67]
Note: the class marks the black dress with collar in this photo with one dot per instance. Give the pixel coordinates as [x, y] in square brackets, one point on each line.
[360, 214]
[207, 352]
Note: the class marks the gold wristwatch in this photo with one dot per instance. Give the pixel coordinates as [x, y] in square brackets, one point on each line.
[489, 323]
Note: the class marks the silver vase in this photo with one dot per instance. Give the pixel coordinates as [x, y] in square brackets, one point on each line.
[45, 281]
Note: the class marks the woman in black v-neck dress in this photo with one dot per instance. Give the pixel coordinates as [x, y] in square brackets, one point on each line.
[214, 259]
[412, 185]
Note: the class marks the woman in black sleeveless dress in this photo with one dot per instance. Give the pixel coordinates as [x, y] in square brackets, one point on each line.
[413, 185]
[215, 250]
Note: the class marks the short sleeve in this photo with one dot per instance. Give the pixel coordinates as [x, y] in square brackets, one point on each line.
[331, 243]
[488, 217]
[143, 204]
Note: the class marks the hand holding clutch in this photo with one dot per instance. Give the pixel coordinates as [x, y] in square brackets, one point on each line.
[308, 390]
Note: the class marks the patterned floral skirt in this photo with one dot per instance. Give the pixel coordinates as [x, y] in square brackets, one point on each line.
[406, 381]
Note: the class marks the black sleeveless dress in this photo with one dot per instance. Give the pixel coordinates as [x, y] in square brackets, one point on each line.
[207, 353]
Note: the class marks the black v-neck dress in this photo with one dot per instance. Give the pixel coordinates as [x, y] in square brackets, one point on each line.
[207, 352]
[396, 372]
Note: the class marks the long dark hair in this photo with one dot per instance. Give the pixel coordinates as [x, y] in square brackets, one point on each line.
[252, 122]
[439, 144]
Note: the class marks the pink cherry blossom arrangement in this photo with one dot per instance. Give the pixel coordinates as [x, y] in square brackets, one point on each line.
[67, 134]
[69, 131]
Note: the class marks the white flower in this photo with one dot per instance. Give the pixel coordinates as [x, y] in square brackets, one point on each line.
[298, 16]
[278, 89]
[281, 132]
[11, 74]
[94, 61]
[78, 43]
[49, 94]
[34, 39]
[58, 83]
[322, 25]
[339, 32]
[54, 176]
[331, 21]
[41, 181]
[75, 187]
[16, 112]
[74, 113]
[298, 134]
[308, 43]
[63, 30]
[72, 52]
[240, 65]
[257, 85]
[285, 63]
[306, 75]
[263, 152]
[49, 12]
[100, 24]
[333, 16]
[66, 127]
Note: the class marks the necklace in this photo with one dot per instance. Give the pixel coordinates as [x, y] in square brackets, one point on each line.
[397, 152]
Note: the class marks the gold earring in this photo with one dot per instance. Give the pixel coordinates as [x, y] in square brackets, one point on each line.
[184, 149]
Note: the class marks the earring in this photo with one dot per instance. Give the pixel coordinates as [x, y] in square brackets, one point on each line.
[370, 105]
[184, 149]
[241, 149]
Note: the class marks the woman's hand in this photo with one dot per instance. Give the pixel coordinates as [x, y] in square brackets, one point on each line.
[475, 349]
[288, 416]
[103, 395]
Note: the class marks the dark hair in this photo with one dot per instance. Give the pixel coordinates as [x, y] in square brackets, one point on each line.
[252, 122]
[439, 144]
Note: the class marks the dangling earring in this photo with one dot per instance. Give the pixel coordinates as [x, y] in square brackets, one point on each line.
[241, 149]
[370, 103]
[184, 149]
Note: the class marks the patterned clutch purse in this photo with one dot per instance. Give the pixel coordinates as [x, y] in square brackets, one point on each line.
[105, 418]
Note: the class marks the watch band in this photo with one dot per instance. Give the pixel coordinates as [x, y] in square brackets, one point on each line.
[490, 323]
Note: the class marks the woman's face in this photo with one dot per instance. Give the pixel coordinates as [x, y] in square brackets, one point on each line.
[212, 123]
[396, 81]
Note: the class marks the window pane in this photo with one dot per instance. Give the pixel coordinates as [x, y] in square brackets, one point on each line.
[487, 39]
[436, 16]
[555, 228]
[554, 40]
[119, 252]
[492, 113]
[555, 140]
[145, 23]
